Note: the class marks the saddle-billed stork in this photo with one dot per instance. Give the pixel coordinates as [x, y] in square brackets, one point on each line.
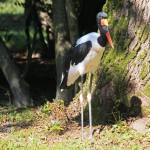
[84, 57]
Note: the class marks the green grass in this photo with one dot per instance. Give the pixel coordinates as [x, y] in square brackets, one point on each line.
[12, 27]
[14, 115]
[12, 24]
[37, 135]
[109, 139]
[11, 7]
[27, 139]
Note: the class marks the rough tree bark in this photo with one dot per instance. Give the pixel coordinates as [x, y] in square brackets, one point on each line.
[72, 21]
[125, 71]
[73, 28]
[31, 15]
[17, 85]
[62, 45]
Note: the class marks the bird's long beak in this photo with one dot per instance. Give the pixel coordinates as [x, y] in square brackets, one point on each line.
[104, 24]
[109, 39]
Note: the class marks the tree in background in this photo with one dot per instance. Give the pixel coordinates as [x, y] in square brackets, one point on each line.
[72, 20]
[18, 86]
[32, 9]
[62, 44]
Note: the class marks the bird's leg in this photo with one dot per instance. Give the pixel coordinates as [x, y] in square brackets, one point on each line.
[89, 97]
[81, 102]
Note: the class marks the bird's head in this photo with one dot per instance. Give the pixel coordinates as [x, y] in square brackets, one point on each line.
[103, 26]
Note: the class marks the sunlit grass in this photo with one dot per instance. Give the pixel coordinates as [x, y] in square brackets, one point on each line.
[25, 139]
[8, 114]
[10, 7]
[37, 135]
[12, 25]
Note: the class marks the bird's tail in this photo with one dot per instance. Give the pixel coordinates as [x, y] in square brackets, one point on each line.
[63, 84]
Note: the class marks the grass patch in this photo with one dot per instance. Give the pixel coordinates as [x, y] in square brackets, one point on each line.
[12, 114]
[38, 135]
[12, 24]
[144, 71]
[146, 89]
[11, 7]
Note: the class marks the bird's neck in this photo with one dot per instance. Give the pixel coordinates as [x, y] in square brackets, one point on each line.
[102, 39]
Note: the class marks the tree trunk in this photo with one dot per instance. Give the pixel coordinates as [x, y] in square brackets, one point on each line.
[125, 71]
[31, 15]
[62, 45]
[18, 86]
[73, 28]
[72, 21]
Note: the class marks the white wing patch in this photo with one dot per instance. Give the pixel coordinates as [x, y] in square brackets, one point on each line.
[88, 37]
[73, 74]
[62, 78]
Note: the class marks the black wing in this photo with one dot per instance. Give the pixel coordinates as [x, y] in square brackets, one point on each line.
[77, 54]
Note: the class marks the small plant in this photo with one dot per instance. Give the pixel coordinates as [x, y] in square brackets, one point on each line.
[20, 115]
[13, 116]
[117, 111]
[56, 127]
[47, 108]
[8, 94]
[148, 124]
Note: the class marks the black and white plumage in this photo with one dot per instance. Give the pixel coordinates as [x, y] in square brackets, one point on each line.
[84, 57]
